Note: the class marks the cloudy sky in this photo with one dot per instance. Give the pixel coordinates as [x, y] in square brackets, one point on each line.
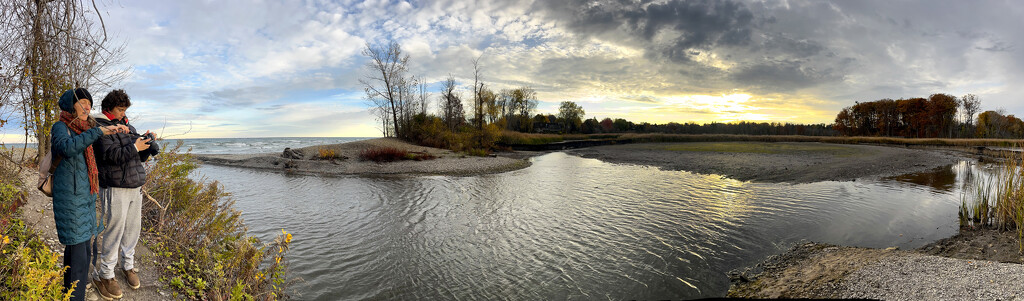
[291, 68]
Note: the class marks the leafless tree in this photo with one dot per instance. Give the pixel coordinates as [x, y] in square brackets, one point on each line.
[970, 105]
[478, 100]
[451, 105]
[47, 47]
[424, 97]
[385, 84]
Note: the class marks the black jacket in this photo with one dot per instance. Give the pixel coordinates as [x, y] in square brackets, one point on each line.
[119, 163]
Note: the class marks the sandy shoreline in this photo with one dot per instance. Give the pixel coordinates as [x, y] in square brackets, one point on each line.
[813, 270]
[790, 162]
[446, 162]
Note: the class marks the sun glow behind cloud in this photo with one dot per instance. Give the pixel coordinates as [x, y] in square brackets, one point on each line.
[702, 108]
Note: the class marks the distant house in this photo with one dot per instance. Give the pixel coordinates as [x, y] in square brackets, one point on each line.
[547, 127]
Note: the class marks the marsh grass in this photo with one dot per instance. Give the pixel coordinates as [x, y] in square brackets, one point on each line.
[383, 154]
[997, 201]
[516, 138]
[755, 147]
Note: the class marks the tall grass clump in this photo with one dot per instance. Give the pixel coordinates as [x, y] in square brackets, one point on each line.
[517, 138]
[1006, 190]
[383, 154]
[200, 239]
[29, 270]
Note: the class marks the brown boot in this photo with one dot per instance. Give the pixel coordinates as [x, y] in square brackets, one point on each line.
[133, 278]
[108, 288]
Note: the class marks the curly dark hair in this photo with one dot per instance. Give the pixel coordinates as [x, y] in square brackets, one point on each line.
[116, 98]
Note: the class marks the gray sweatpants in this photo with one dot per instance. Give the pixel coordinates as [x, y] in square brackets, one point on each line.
[122, 215]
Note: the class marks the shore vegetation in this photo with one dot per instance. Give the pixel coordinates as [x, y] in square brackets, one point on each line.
[29, 270]
[201, 241]
[997, 202]
[515, 138]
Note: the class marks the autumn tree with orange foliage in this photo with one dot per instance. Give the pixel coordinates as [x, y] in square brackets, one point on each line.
[914, 117]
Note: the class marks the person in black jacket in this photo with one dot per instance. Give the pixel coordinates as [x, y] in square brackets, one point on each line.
[121, 176]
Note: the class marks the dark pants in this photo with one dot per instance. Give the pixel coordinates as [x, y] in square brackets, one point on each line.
[76, 258]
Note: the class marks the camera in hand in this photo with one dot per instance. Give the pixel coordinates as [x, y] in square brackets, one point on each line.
[148, 136]
[154, 148]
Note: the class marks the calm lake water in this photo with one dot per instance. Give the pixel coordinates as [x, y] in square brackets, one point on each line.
[570, 228]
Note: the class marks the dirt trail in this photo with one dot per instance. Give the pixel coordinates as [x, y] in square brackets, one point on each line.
[38, 214]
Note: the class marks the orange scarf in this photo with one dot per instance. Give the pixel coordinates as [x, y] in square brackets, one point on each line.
[78, 126]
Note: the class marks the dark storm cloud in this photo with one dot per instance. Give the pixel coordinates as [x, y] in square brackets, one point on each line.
[783, 75]
[795, 47]
[675, 29]
[694, 36]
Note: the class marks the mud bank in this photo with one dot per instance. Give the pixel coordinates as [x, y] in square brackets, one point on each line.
[791, 162]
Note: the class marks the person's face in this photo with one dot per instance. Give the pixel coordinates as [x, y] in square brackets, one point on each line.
[82, 108]
[118, 112]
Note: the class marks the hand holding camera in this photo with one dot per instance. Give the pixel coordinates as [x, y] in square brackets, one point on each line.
[145, 141]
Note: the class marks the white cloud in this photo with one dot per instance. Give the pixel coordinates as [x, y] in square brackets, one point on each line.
[818, 56]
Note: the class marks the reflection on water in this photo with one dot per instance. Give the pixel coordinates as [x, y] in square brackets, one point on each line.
[569, 228]
[942, 178]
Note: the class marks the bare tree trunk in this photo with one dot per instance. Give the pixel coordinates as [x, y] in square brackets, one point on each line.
[47, 47]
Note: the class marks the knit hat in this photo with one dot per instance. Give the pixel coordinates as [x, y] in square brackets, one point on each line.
[71, 96]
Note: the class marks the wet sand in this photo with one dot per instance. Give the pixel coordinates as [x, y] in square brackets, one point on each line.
[790, 162]
[446, 162]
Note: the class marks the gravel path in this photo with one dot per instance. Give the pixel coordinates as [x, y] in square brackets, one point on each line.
[926, 277]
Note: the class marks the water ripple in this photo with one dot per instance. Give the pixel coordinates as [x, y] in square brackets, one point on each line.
[564, 228]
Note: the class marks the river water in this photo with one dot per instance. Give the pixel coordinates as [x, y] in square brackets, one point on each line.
[570, 228]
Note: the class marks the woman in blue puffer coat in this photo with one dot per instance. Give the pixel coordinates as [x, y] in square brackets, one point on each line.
[75, 184]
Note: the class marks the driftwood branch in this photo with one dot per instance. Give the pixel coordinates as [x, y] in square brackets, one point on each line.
[151, 199]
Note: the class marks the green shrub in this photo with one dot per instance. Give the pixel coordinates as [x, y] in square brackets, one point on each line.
[200, 240]
[29, 270]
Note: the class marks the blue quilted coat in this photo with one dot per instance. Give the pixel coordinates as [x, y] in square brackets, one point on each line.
[74, 208]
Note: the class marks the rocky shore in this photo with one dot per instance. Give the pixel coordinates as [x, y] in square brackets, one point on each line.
[814, 270]
[346, 161]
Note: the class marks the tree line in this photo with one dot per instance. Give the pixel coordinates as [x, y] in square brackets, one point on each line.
[400, 102]
[938, 116]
